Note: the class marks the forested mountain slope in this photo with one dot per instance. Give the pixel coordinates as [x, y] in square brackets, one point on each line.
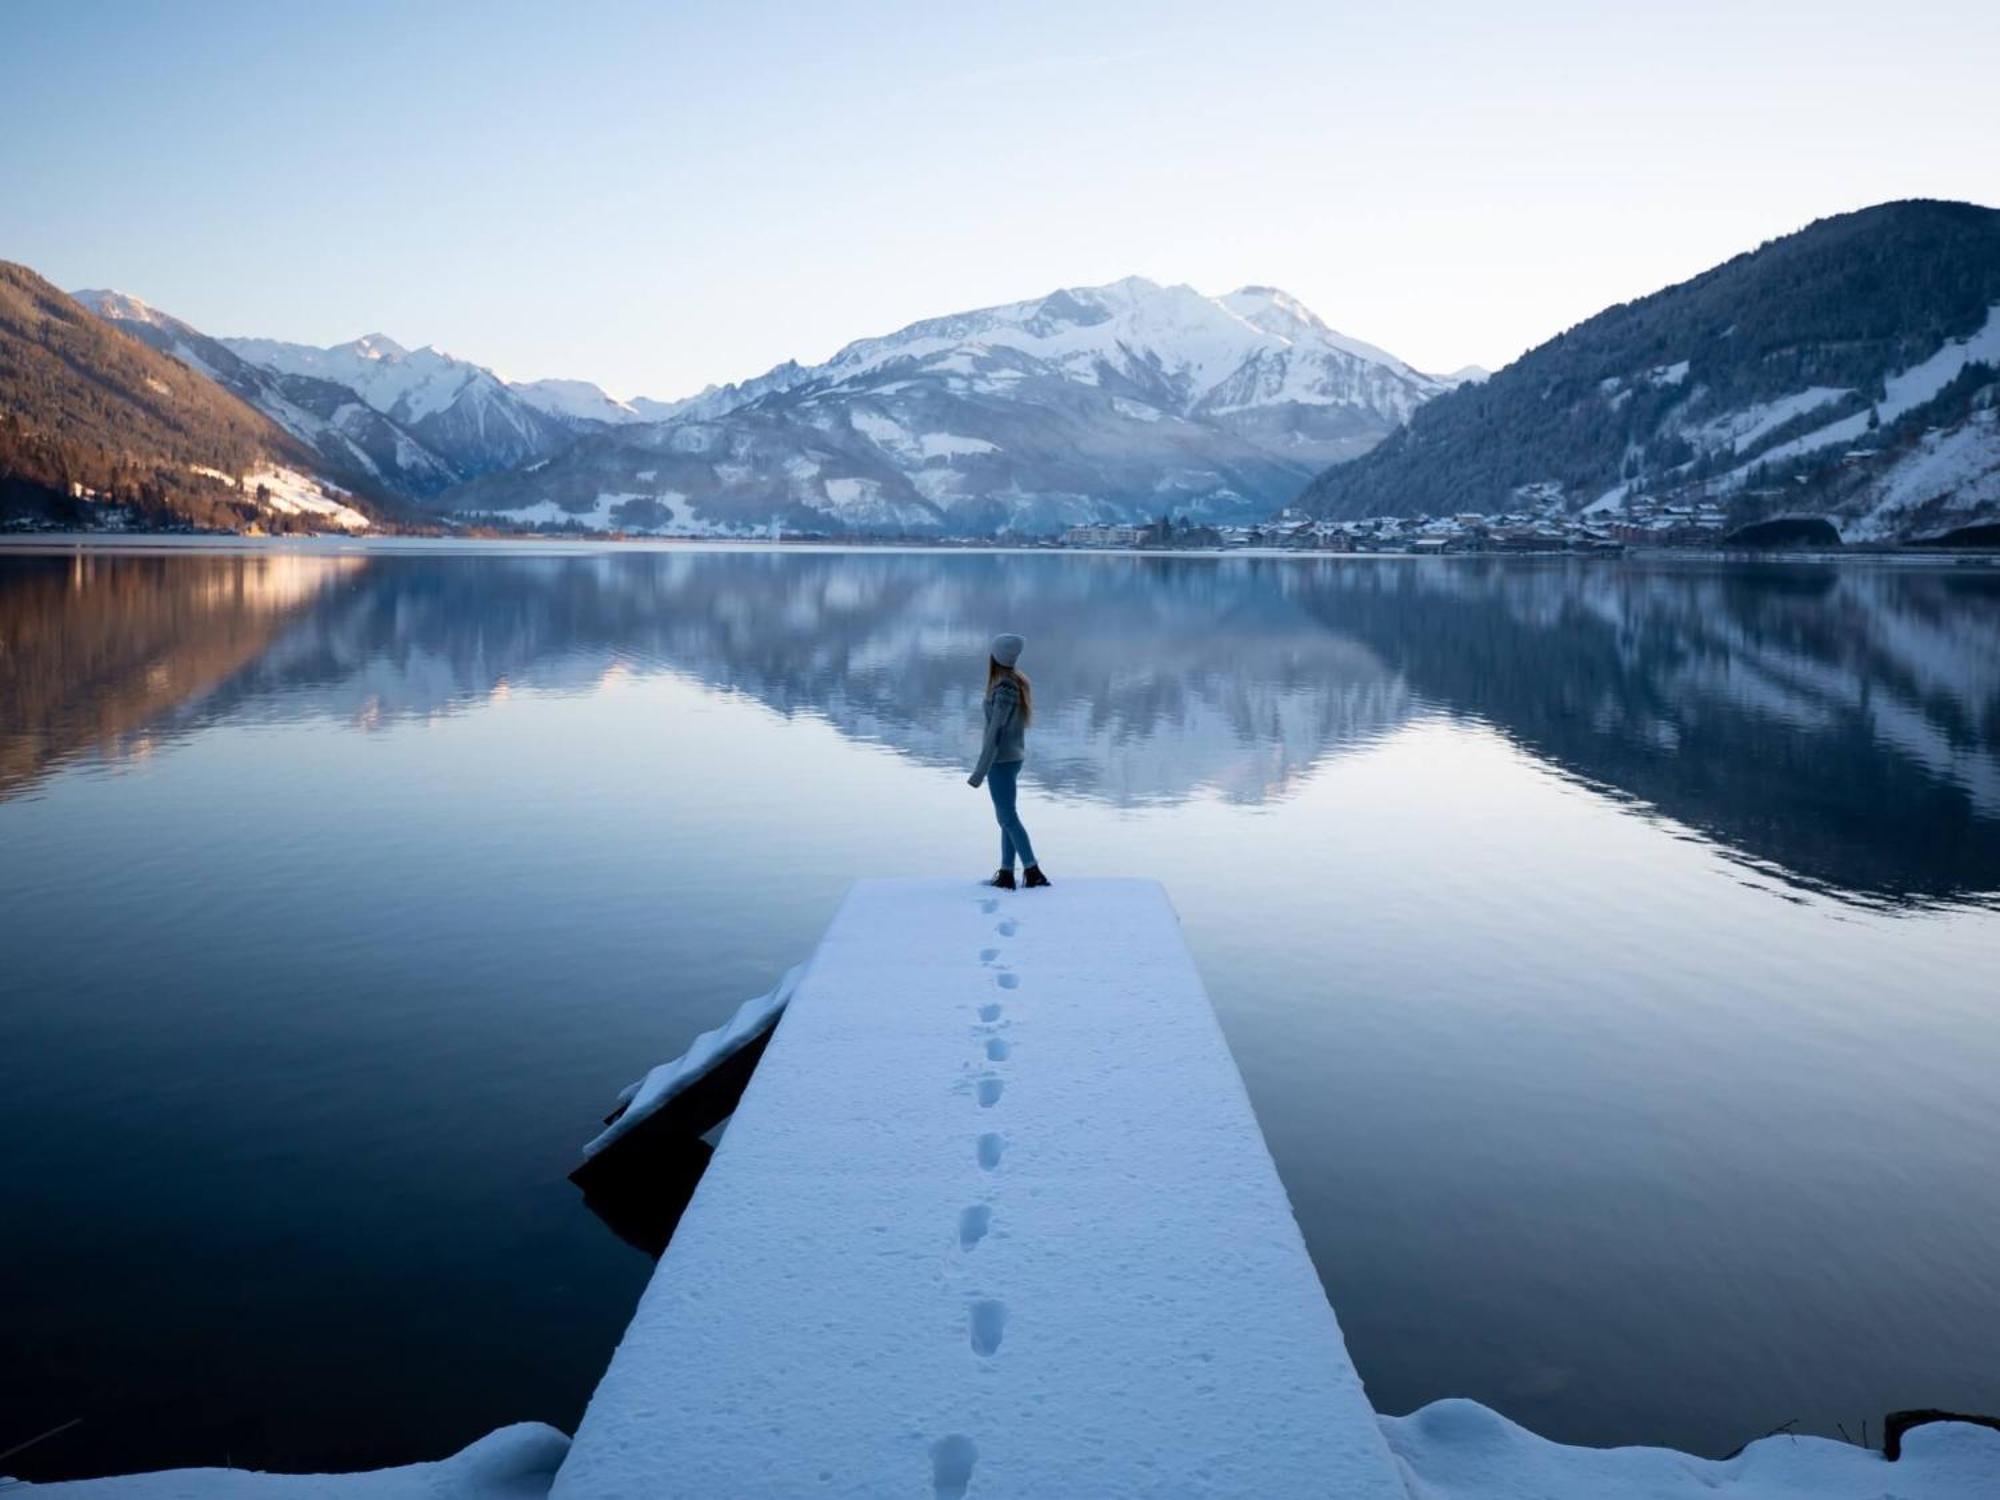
[1847, 370]
[95, 425]
[354, 442]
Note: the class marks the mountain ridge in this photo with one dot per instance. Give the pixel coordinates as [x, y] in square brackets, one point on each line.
[355, 442]
[1085, 404]
[1846, 369]
[97, 426]
[458, 410]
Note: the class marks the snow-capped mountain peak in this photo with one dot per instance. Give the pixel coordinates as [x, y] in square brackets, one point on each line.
[379, 346]
[1273, 311]
[1170, 344]
[1087, 403]
[1283, 316]
[575, 401]
[460, 411]
[122, 307]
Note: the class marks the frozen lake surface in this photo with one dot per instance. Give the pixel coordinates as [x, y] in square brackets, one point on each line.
[1607, 950]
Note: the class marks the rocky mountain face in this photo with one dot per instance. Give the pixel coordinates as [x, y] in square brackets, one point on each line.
[411, 422]
[582, 404]
[1110, 403]
[470, 420]
[1850, 370]
[353, 440]
[1091, 404]
[98, 427]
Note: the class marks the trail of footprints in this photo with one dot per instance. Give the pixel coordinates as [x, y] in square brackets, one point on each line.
[953, 1456]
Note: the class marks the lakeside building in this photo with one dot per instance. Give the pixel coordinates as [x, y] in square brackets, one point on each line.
[1539, 524]
[1104, 536]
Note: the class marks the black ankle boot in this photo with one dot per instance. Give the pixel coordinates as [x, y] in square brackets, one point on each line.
[1032, 877]
[1005, 880]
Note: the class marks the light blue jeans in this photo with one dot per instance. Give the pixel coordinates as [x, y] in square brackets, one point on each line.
[1000, 781]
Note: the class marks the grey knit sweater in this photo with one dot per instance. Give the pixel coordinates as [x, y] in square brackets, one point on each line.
[1006, 734]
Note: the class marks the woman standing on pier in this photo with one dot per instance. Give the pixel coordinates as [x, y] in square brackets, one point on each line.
[1010, 706]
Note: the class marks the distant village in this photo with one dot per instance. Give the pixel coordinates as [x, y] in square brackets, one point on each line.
[1548, 527]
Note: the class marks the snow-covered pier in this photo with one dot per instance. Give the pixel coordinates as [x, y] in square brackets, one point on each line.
[993, 1218]
[994, 1215]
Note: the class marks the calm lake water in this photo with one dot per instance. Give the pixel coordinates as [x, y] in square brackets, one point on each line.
[1609, 949]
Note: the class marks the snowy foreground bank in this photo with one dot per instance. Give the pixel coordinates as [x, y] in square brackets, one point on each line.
[1451, 1450]
[515, 1463]
[994, 1218]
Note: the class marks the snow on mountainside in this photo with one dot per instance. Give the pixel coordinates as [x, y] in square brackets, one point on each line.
[291, 493]
[1092, 403]
[100, 428]
[1850, 370]
[416, 422]
[462, 412]
[358, 443]
[1187, 352]
[575, 401]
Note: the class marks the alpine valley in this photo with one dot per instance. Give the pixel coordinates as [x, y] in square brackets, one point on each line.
[1845, 371]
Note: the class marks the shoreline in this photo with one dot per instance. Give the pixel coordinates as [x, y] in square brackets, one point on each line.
[30, 543]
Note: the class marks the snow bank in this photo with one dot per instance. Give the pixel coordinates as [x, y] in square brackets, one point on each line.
[993, 1218]
[709, 1051]
[515, 1463]
[1459, 1450]
[950, 445]
[1904, 391]
[1957, 471]
[292, 493]
[603, 515]
[297, 494]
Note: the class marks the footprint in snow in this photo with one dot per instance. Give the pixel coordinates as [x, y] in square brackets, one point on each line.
[973, 1224]
[1008, 981]
[1007, 928]
[952, 1459]
[997, 1049]
[989, 1324]
[987, 955]
[990, 1012]
[989, 1091]
[990, 1147]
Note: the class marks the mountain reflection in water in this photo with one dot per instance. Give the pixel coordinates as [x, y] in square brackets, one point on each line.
[1605, 948]
[1837, 726]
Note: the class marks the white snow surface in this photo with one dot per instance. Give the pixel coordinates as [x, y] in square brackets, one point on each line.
[994, 1218]
[514, 1463]
[1251, 347]
[663, 1084]
[950, 445]
[1738, 430]
[121, 307]
[1958, 470]
[1904, 391]
[402, 383]
[1460, 1450]
[574, 400]
[294, 494]
[300, 494]
[681, 520]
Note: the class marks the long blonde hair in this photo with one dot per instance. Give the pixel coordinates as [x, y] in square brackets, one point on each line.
[995, 672]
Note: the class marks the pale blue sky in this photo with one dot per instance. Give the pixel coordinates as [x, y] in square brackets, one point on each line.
[655, 197]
